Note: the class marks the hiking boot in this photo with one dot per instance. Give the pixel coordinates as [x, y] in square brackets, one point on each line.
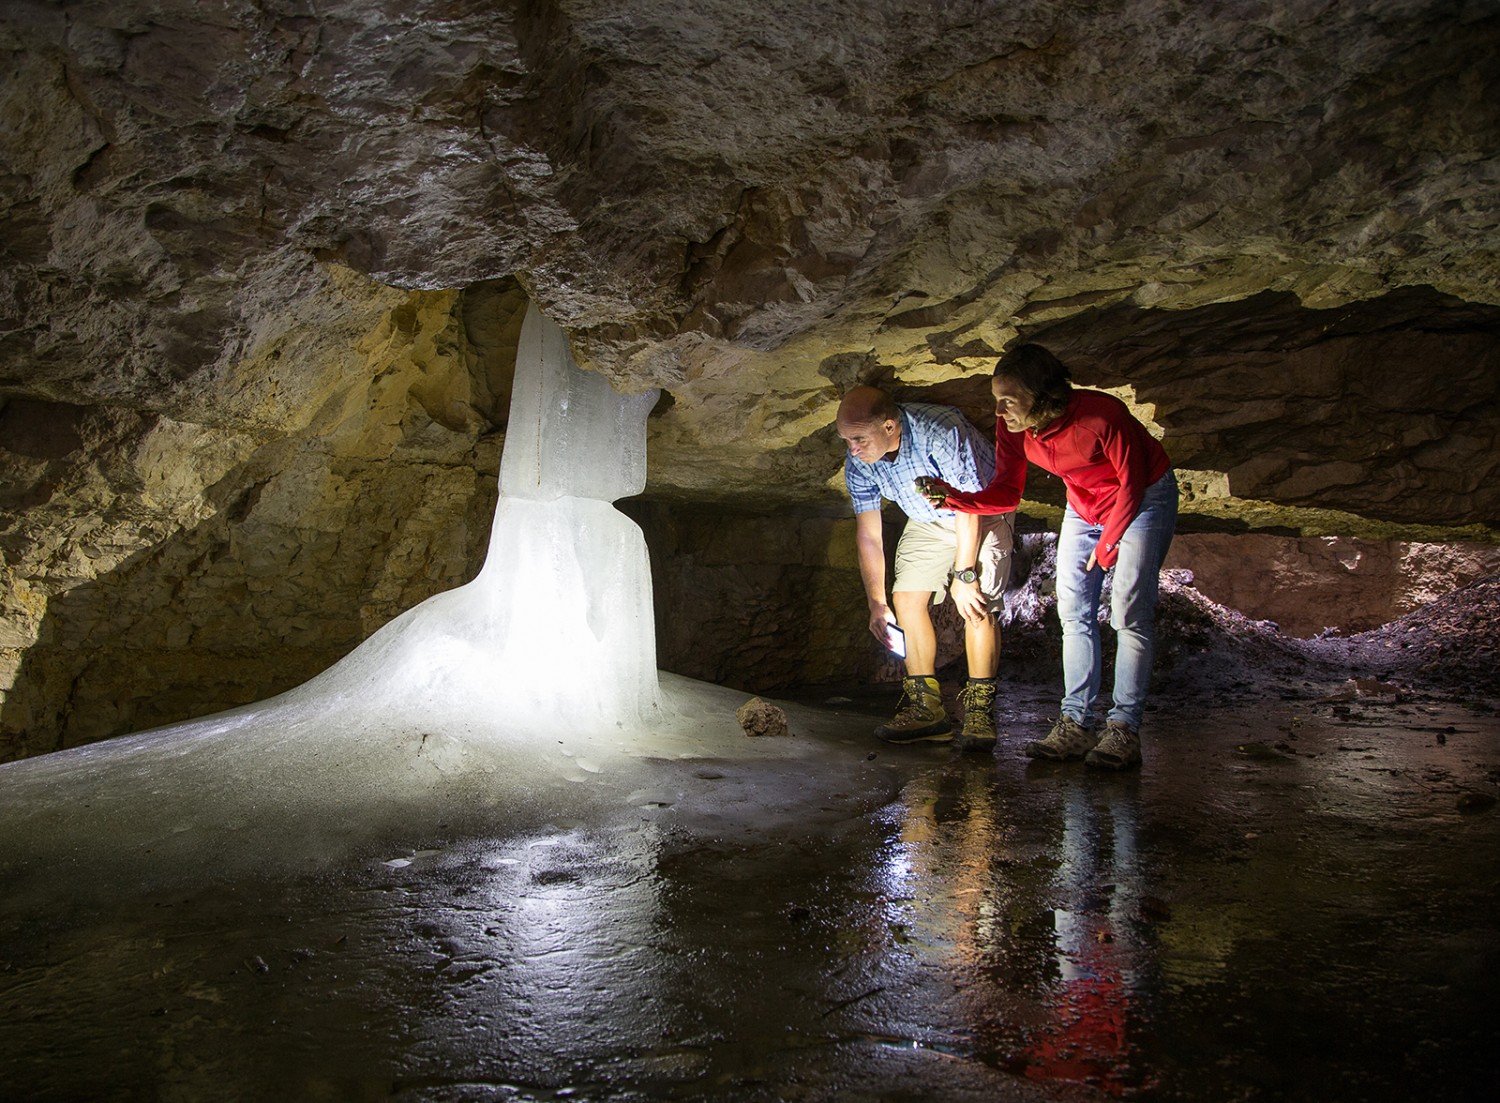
[1119, 749]
[919, 716]
[978, 698]
[1068, 739]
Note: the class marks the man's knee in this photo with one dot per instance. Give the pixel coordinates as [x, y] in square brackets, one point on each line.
[911, 604]
[982, 632]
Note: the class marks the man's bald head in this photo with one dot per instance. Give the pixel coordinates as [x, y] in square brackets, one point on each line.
[865, 405]
[869, 422]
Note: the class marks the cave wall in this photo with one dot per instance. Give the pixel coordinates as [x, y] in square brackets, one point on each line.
[763, 602]
[758, 602]
[741, 205]
[1387, 409]
[158, 568]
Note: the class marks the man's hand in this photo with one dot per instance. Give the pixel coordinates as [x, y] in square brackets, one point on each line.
[880, 618]
[968, 601]
[934, 490]
[1092, 563]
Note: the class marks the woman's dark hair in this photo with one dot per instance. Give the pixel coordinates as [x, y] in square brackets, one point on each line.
[1042, 376]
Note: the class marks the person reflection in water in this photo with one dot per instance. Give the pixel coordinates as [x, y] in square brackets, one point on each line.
[1121, 514]
[891, 448]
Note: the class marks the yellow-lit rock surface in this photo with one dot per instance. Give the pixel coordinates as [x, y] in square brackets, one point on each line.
[161, 565]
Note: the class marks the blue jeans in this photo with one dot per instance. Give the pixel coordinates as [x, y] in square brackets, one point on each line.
[1132, 612]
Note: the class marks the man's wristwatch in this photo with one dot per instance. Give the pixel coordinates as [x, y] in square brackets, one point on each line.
[968, 574]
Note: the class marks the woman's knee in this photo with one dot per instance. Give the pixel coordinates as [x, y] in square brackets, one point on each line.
[1133, 609]
[1077, 610]
[1076, 598]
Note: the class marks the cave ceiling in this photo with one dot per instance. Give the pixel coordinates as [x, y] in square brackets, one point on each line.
[1272, 225]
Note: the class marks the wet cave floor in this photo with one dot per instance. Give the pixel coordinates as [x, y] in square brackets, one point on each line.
[1296, 898]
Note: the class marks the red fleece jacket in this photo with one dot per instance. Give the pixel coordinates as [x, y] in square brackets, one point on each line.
[1103, 455]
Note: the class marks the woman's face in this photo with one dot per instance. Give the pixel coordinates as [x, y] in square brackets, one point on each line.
[1014, 406]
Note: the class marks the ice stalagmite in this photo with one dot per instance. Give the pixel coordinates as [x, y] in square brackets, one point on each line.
[568, 571]
[556, 633]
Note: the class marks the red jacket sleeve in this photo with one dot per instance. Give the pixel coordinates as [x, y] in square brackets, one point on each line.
[1003, 494]
[1133, 463]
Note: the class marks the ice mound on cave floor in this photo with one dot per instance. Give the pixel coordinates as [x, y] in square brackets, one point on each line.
[530, 693]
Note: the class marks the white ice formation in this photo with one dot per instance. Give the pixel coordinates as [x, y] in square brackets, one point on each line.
[556, 633]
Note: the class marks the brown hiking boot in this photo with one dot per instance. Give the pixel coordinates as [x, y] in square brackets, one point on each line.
[1119, 749]
[978, 698]
[1068, 739]
[919, 716]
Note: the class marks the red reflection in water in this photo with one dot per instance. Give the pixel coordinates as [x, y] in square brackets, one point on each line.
[1087, 1041]
[1049, 937]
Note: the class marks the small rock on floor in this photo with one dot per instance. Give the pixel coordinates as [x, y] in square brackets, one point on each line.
[759, 718]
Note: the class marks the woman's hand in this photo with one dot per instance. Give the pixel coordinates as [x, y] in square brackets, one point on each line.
[933, 489]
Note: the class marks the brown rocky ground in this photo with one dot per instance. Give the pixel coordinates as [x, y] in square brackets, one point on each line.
[1452, 644]
[1449, 648]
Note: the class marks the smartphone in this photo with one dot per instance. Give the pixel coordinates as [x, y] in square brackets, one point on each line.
[897, 639]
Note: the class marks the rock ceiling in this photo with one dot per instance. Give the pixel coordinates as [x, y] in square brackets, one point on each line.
[1272, 224]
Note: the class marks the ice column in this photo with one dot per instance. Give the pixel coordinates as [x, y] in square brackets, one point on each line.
[567, 574]
[556, 634]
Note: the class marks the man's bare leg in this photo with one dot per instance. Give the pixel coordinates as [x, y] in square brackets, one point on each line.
[982, 646]
[911, 609]
[921, 716]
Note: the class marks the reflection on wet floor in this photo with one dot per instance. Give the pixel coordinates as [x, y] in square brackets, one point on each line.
[917, 924]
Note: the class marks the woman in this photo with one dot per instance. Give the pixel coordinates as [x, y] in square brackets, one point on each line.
[1122, 511]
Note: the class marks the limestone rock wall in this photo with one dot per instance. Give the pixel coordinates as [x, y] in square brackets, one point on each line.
[1386, 409]
[769, 601]
[758, 601]
[749, 206]
[157, 566]
[762, 601]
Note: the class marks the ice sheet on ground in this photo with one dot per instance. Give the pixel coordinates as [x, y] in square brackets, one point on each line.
[284, 785]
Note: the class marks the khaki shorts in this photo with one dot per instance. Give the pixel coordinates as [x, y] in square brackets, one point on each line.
[924, 557]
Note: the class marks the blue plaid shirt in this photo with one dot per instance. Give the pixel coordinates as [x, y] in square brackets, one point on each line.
[935, 440]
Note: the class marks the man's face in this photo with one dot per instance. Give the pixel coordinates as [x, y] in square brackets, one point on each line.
[1013, 405]
[870, 440]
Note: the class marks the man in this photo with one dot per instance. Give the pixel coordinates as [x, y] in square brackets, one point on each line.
[891, 447]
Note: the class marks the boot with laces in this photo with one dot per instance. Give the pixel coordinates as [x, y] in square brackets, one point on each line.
[920, 715]
[1118, 749]
[978, 698]
[1067, 740]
